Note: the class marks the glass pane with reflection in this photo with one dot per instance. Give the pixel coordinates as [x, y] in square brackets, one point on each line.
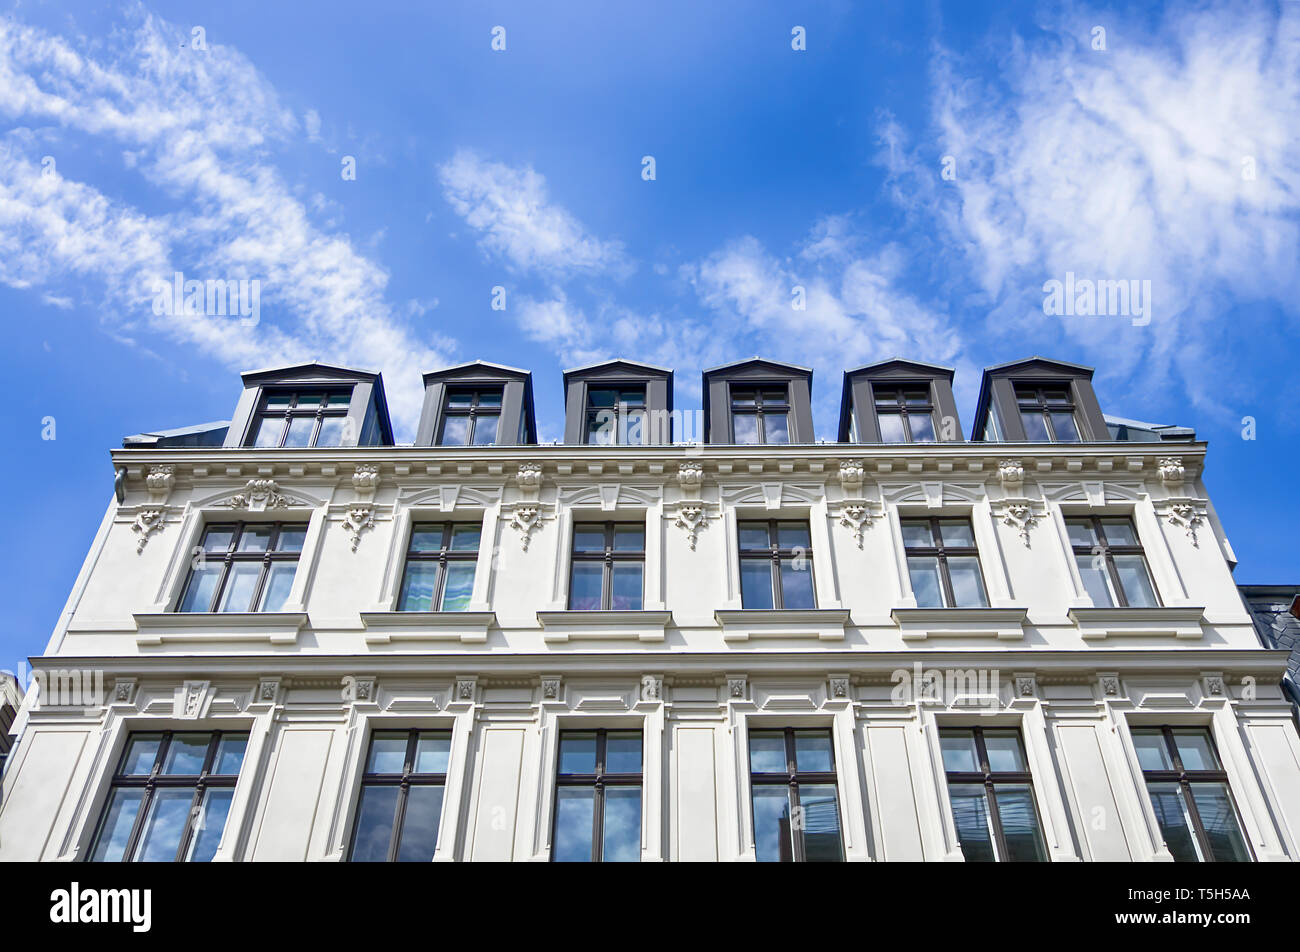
[772, 843]
[970, 814]
[374, 830]
[574, 824]
[420, 823]
[622, 834]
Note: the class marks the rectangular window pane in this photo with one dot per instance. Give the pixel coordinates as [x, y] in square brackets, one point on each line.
[185, 754]
[279, 581]
[291, 538]
[629, 539]
[300, 429]
[956, 534]
[745, 426]
[602, 428]
[753, 535]
[1019, 823]
[465, 537]
[331, 431]
[432, 752]
[821, 823]
[575, 812]
[776, 428]
[119, 819]
[418, 585]
[459, 588]
[485, 429]
[1132, 572]
[756, 583]
[1195, 750]
[455, 430]
[924, 572]
[767, 752]
[1152, 751]
[623, 752]
[420, 823]
[1064, 426]
[1005, 752]
[1175, 822]
[310, 401]
[627, 586]
[793, 535]
[460, 398]
[1119, 532]
[578, 752]
[602, 398]
[199, 592]
[164, 824]
[959, 753]
[209, 824]
[268, 432]
[374, 830]
[970, 814]
[489, 398]
[141, 754]
[1096, 580]
[917, 534]
[241, 584]
[1219, 818]
[922, 427]
[426, 538]
[218, 540]
[772, 843]
[622, 834]
[812, 751]
[230, 755]
[588, 538]
[891, 428]
[584, 586]
[1081, 532]
[387, 753]
[744, 397]
[254, 539]
[1035, 426]
[967, 583]
[797, 584]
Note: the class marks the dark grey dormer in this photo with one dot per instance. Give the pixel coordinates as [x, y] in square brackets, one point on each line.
[618, 402]
[477, 404]
[758, 401]
[899, 401]
[1038, 401]
[311, 405]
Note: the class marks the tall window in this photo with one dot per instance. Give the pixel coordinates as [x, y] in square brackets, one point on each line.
[616, 416]
[440, 562]
[760, 414]
[598, 797]
[776, 565]
[401, 797]
[906, 414]
[1189, 791]
[471, 417]
[608, 566]
[943, 563]
[1048, 414]
[792, 782]
[992, 795]
[170, 797]
[244, 567]
[301, 418]
[1111, 562]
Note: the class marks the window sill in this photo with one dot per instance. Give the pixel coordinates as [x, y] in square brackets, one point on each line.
[742, 624]
[384, 628]
[276, 628]
[1098, 624]
[563, 626]
[919, 624]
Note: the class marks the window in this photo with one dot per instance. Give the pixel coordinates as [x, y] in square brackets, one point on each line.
[401, 797]
[608, 566]
[616, 416]
[792, 783]
[306, 418]
[1111, 562]
[170, 797]
[440, 561]
[760, 414]
[1047, 414]
[943, 563]
[992, 795]
[906, 415]
[470, 417]
[598, 797]
[244, 567]
[776, 565]
[1189, 791]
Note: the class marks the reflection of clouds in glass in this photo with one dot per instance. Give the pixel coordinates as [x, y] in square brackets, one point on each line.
[575, 813]
[771, 816]
[167, 817]
[210, 824]
[622, 825]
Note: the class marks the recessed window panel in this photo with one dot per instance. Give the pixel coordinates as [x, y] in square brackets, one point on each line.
[598, 797]
[991, 795]
[793, 798]
[441, 561]
[1111, 562]
[608, 567]
[245, 568]
[400, 807]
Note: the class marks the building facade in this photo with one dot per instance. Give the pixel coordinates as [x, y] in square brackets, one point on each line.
[294, 640]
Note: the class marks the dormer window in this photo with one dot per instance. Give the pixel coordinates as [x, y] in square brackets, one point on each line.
[472, 417]
[1047, 414]
[905, 414]
[615, 416]
[301, 418]
[760, 414]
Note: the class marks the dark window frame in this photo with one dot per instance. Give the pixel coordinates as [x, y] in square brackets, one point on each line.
[791, 777]
[1033, 397]
[759, 408]
[990, 779]
[293, 411]
[472, 412]
[899, 407]
[598, 780]
[1109, 551]
[607, 558]
[942, 552]
[1185, 778]
[231, 557]
[444, 555]
[778, 554]
[155, 779]
[622, 410]
[403, 781]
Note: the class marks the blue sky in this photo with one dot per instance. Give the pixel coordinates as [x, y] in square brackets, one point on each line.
[127, 153]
